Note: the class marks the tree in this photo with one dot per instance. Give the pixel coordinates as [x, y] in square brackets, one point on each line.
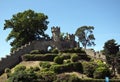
[111, 48]
[85, 35]
[25, 27]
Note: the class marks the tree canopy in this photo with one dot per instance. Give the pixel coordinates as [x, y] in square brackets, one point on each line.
[111, 49]
[85, 35]
[25, 27]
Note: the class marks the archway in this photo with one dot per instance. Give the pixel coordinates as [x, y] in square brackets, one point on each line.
[49, 48]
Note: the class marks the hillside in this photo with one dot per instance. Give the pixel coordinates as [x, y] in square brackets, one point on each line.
[72, 65]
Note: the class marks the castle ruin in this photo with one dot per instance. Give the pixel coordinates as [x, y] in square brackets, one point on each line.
[55, 42]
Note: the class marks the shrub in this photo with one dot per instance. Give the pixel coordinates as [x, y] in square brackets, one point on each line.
[33, 69]
[48, 76]
[66, 56]
[55, 51]
[36, 69]
[19, 68]
[83, 56]
[89, 68]
[77, 66]
[101, 72]
[44, 64]
[39, 57]
[74, 58]
[58, 60]
[67, 61]
[23, 76]
[67, 78]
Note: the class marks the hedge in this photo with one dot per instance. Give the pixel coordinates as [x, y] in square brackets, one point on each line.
[39, 57]
[76, 66]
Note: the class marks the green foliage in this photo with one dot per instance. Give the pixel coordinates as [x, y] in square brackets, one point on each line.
[45, 64]
[67, 78]
[19, 68]
[85, 35]
[89, 68]
[74, 58]
[67, 61]
[101, 72]
[48, 76]
[39, 57]
[33, 69]
[55, 51]
[100, 63]
[111, 48]
[25, 27]
[36, 69]
[77, 66]
[22, 76]
[66, 56]
[58, 60]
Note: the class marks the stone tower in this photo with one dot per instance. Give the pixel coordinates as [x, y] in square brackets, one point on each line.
[71, 37]
[55, 33]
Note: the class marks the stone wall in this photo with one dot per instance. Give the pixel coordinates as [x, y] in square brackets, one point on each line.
[15, 57]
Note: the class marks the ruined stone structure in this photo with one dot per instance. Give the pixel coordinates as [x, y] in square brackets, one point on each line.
[55, 42]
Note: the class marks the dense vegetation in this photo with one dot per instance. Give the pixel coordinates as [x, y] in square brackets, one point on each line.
[55, 69]
[25, 27]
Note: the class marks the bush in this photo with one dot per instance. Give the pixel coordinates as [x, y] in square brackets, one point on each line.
[39, 57]
[77, 66]
[83, 56]
[67, 61]
[47, 76]
[23, 76]
[66, 56]
[74, 58]
[89, 68]
[67, 78]
[101, 73]
[55, 51]
[36, 69]
[58, 60]
[44, 64]
[19, 68]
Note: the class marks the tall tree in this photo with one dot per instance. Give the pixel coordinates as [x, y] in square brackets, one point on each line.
[85, 35]
[25, 27]
[111, 48]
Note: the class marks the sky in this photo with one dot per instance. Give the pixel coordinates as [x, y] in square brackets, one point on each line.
[69, 15]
